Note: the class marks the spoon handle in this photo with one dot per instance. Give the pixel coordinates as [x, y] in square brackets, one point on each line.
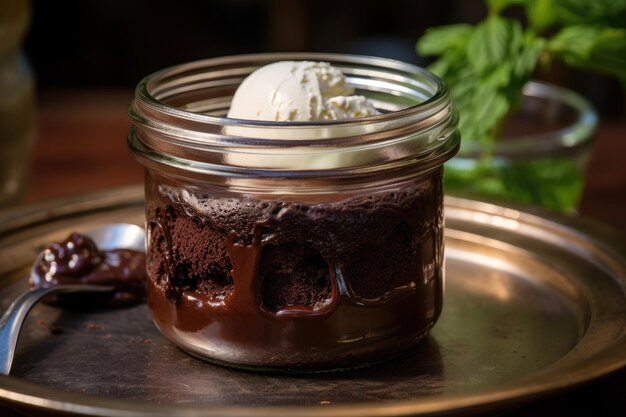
[12, 319]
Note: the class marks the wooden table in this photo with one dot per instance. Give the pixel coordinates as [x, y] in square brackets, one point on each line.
[82, 148]
[82, 144]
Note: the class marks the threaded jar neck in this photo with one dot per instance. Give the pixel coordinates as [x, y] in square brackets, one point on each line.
[180, 124]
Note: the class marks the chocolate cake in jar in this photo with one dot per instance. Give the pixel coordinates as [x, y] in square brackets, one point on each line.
[294, 234]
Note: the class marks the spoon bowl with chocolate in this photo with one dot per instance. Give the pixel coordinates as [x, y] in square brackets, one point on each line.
[104, 267]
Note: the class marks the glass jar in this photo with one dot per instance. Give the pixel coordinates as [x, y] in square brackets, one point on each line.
[301, 245]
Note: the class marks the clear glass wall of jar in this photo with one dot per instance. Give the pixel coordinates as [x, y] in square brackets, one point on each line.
[302, 246]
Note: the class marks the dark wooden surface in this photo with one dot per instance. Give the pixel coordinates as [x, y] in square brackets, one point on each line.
[82, 147]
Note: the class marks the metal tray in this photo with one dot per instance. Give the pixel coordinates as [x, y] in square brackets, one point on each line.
[534, 304]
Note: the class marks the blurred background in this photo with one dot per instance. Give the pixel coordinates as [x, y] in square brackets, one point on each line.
[87, 56]
[113, 44]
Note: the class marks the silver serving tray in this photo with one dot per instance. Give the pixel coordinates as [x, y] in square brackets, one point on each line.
[534, 304]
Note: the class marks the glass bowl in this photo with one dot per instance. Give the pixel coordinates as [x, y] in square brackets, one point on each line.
[541, 157]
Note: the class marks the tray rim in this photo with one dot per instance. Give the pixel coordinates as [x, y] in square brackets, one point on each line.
[611, 244]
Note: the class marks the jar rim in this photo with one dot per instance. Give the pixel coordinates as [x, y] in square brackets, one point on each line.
[145, 89]
[178, 127]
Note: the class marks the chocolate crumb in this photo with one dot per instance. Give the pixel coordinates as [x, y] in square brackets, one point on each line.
[93, 326]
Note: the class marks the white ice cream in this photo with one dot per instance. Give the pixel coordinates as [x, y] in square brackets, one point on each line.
[288, 91]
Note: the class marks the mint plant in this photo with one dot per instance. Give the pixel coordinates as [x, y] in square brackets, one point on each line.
[487, 65]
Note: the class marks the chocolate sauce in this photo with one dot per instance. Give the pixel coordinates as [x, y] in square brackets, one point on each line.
[77, 260]
[274, 284]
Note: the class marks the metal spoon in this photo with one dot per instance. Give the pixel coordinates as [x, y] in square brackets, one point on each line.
[108, 237]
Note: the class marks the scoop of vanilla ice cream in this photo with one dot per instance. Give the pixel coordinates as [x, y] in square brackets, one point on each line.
[288, 91]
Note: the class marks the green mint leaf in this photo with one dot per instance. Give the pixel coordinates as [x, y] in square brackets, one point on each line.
[592, 47]
[489, 43]
[486, 67]
[490, 108]
[527, 57]
[485, 71]
[575, 41]
[491, 84]
[553, 183]
[609, 55]
[541, 13]
[611, 13]
[499, 76]
[438, 40]
[480, 105]
[516, 35]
